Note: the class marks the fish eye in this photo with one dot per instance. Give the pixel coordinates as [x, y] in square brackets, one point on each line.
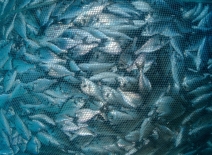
[107, 94]
[124, 85]
[97, 56]
[84, 85]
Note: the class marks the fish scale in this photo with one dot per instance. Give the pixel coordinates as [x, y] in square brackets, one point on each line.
[105, 77]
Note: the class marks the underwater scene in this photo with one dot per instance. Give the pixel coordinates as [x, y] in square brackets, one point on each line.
[105, 77]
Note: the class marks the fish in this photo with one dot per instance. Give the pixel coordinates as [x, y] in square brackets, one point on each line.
[111, 46]
[142, 6]
[146, 129]
[144, 84]
[5, 127]
[10, 26]
[202, 55]
[114, 34]
[117, 117]
[105, 77]
[124, 144]
[201, 100]
[36, 126]
[56, 70]
[193, 116]
[199, 133]
[95, 67]
[82, 49]
[45, 14]
[168, 108]
[21, 128]
[5, 144]
[200, 90]
[128, 83]
[181, 136]
[34, 145]
[20, 25]
[47, 56]
[133, 99]
[22, 3]
[153, 44]
[202, 14]
[178, 69]
[91, 89]
[9, 80]
[122, 10]
[133, 136]
[113, 97]
[194, 82]
[80, 34]
[85, 115]
[5, 51]
[40, 85]
[47, 139]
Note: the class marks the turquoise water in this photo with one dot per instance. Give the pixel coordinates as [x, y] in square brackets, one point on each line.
[105, 77]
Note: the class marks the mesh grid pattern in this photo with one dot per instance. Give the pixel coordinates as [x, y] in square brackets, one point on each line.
[105, 77]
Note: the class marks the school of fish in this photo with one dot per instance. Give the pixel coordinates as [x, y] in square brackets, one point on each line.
[105, 77]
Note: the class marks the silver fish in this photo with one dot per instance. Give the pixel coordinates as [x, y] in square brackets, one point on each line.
[56, 70]
[201, 100]
[47, 139]
[200, 90]
[199, 132]
[178, 69]
[142, 6]
[91, 89]
[153, 44]
[40, 85]
[111, 96]
[52, 46]
[128, 83]
[190, 83]
[122, 10]
[66, 43]
[146, 129]
[133, 99]
[79, 35]
[103, 75]
[85, 115]
[117, 117]
[114, 34]
[202, 55]
[144, 84]
[133, 136]
[111, 47]
[95, 67]
[82, 49]
[47, 56]
[192, 117]
[168, 108]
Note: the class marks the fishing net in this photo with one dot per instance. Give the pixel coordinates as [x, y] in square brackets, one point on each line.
[105, 77]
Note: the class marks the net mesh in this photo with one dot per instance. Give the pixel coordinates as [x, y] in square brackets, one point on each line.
[105, 77]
